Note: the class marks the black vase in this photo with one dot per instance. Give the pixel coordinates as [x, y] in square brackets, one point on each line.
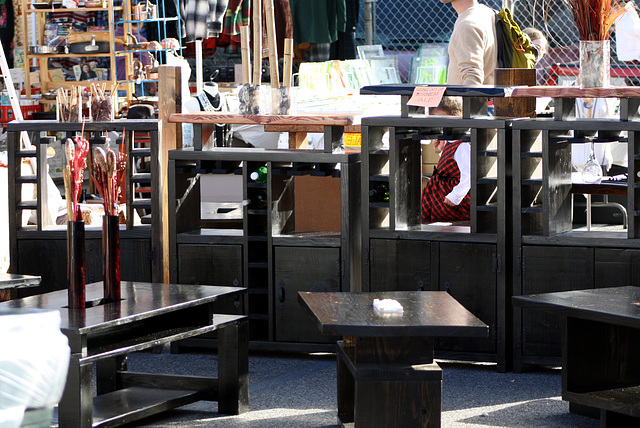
[75, 264]
[111, 257]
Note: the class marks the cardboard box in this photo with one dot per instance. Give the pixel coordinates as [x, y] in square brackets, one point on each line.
[427, 168]
[429, 154]
[317, 204]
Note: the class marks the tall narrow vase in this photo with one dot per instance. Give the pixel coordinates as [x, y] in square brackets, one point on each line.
[595, 62]
[75, 264]
[111, 257]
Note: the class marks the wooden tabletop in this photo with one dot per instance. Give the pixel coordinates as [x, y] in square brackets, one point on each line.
[140, 300]
[8, 280]
[576, 92]
[619, 305]
[426, 313]
[316, 119]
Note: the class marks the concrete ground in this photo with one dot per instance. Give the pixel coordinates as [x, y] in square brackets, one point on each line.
[299, 390]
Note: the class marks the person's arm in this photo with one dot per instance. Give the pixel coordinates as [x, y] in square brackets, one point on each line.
[462, 156]
[471, 55]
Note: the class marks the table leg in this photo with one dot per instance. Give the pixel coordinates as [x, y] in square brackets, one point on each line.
[394, 383]
[75, 409]
[233, 368]
[346, 392]
[107, 379]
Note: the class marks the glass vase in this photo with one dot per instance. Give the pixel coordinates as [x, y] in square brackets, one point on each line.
[111, 257]
[75, 264]
[595, 63]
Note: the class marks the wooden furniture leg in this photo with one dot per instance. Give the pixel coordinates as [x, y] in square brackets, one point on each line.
[75, 409]
[233, 368]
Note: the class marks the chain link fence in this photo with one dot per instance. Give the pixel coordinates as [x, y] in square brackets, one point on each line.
[401, 26]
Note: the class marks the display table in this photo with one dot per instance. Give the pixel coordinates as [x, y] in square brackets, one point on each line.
[386, 373]
[332, 125]
[148, 315]
[601, 344]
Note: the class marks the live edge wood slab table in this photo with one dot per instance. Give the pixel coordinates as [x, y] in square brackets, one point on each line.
[600, 350]
[147, 315]
[386, 373]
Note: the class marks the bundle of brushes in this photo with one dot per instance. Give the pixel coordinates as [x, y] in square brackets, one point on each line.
[595, 18]
[76, 152]
[107, 167]
[101, 103]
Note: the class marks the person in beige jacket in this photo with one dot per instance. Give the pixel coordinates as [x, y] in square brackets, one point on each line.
[473, 53]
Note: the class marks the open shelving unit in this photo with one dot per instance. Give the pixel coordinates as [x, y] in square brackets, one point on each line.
[30, 243]
[262, 251]
[464, 258]
[43, 59]
[260, 244]
[550, 252]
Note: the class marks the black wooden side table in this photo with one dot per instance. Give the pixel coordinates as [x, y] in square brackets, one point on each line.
[600, 349]
[386, 373]
[148, 315]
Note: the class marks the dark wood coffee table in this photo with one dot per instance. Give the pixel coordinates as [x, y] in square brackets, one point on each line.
[148, 315]
[600, 350]
[386, 373]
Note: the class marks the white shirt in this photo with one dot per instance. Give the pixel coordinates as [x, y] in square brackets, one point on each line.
[462, 156]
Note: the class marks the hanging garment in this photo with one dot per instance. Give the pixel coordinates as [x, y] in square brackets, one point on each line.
[238, 15]
[203, 18]
[445, 177]
[345, 47]
[318, 21]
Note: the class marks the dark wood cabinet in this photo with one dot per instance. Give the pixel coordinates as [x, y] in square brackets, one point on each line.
[400, 265]
[465, 258]
[468, 273]
[272, 248]
[210, 264]
[550, 252]
[40, 249]
[546, 269]
[302, 269]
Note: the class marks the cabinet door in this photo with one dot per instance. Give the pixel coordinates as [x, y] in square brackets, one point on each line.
[544, 270]
[135, 260]
[616, 267]
[467, 272]
[302, 269]
[210, 264]
[399, 265]
[48, 258]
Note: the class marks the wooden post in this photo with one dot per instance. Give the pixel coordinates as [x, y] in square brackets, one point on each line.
[169, 101]
[515, 107]
[257, 41]
[244, 49]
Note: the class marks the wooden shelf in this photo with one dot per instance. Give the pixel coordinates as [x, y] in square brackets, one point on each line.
[72, 10]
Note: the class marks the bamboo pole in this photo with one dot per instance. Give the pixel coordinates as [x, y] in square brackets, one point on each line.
[244, 51]
[257, 41]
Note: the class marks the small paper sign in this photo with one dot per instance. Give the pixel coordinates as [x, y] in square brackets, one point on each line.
[426, 96]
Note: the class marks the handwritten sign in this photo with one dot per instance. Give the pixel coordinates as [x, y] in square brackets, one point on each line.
[426, 96]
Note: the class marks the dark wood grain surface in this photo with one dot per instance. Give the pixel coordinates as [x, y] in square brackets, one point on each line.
[426, 313]
[452, 90]
[259, 155]
[140, 300]
[619, 305]
[55, 126]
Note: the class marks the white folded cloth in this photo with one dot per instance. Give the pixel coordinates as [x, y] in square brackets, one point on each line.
[387, 306]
